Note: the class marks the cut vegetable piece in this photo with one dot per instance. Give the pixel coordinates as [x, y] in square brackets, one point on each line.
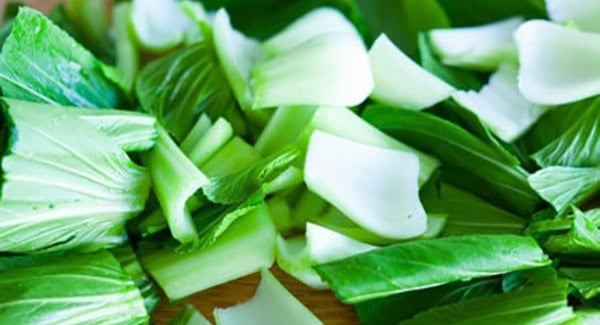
[159, 25]
[288, 179]
[578, 145]
[557, 64]
[402, 306]
[327, 70]
[427, 263]
[376, 188]
[175, 180]
[505, 182]
[132, 131]
[246, 247]
[400, 82]
[64, 190]
[237, 55]
[436, 223]
[74, 289]
[582, 239]
[317, 22]
[468, 214]
[127, 56]
[233, 157]
[345, 123]
[582, 13]
[41, 63]
[585, 316]
[501, 106]
[272, 304]
[201, 126]
[182, 86]
[458, 78]
[586, 280]
[189, 315]
[543, 303]
[292, 257]
[210, 143]
[284, 127]
[480, 48]
[566, 186]
[325, 245]
[91, 22]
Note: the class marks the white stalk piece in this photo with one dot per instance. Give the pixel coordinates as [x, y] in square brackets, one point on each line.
[558, 65]
[272, 304]
[583, 13]
[481, 48]
[400, 82]
[374, 187]
[501, 106]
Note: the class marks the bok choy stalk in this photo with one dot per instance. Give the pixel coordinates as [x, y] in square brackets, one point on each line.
[374, 187]
[189, 315]
[68, 289]
[272, 303]
[70, 190]
[582, 13]
[245, 247]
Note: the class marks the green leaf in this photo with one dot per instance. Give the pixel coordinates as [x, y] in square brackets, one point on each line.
[545, 303]
[41, 63]
[586, 280]
[566, 186]
[467, 213]
[428, 263]
[402, 20]
[179, 87]
[477, 12]
[468, 162]
[68, 289]
[126, 53]
[396, 308]
[91, 22]
[579, 145]
[238, 187]
[64, 190]
[582, 239]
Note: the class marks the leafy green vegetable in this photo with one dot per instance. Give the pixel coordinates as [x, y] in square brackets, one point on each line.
[467, 213]
[586, 280]
[477, 12]
[545, 303]
[566, 186]
[579, 13]
[421, 264]
[505, 184]
[402, 306]
[582, 238]
[68, 289]
[91, 22]
[246, 247]
[181, 86]
[41, 63]
[578, 145]
[175, 180]
[126, 54]
[65, 190]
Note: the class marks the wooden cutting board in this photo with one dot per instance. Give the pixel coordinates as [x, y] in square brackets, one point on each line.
[322, 303]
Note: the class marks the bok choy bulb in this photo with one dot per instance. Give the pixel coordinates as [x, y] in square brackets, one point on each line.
[558, 65]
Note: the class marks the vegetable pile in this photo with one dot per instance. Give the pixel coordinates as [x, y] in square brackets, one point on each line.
[428, 161]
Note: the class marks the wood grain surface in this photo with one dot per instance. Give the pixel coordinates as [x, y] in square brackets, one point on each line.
[322, 303]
